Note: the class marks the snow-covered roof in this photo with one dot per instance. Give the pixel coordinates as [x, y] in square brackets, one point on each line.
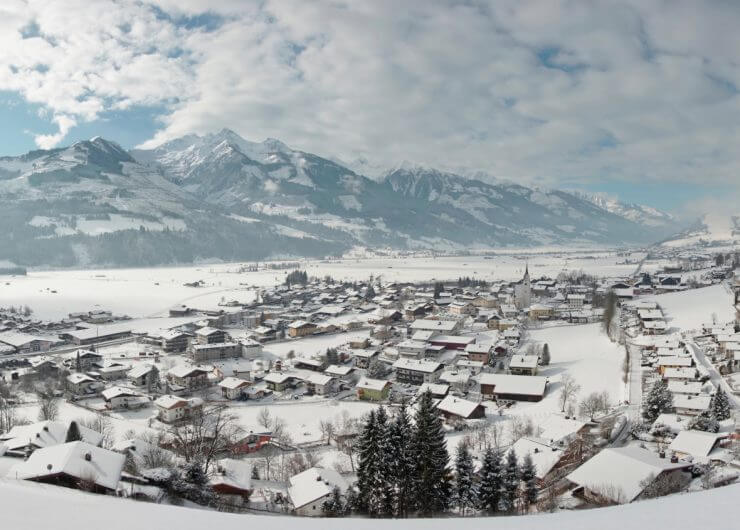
[140, 370]
[232, 383]
[529, 385]
[185, 370]
[457, 406]
[118, 391]
[77, 378]
[544, 455]
[523, 361]
[695, 443]
[314, 484]
[417, 365]
[207, 331]
[697, 403]
[337, 370]
[367, 383]
[434, 325]
[45, 434]
[170, 402]
[438, 389]
[556, 427]
[233, 473]
[76, 459]
[620, 473]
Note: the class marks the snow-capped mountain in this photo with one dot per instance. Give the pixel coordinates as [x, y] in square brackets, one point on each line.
[219, 196]
[639, 213]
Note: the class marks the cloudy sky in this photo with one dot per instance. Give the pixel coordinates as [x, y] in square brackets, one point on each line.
[635, 98]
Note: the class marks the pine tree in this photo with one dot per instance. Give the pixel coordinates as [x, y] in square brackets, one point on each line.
[382, 497]
[73, 432]
[332, 356]
[509, 484]
[706, 421]
[432, 488]
[489, 491]
[545, 355]
[373, 470]
[464, 487]
[366, 462]
[721, 406]
[402, 464]
[658, 401]
[529, 482]
[370, 292]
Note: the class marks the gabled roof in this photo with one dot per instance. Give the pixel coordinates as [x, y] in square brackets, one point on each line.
[695, 443]
[457, 406]
[314, 484]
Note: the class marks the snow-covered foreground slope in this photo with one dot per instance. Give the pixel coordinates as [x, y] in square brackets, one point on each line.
[31, 506]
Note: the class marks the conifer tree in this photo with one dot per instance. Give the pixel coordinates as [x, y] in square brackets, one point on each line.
[73, 432]
[381, 501]
[658, 401]
[529, 483]
[367, 463]
[402, 464]
[509, 483]
[334, 506]
[721, 406]
[464, 487]
[432, 488]
[489, 491]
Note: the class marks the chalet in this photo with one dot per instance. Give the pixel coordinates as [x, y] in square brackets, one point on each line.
[679, 361]
[487, 301]
[174, 341]
[22, 439]
[474, 367]
[188, 377]
[320, 384]
[78, 383]
[513, 387]
[172, 409]
[301, 328]
[693, 388]
[603, 477]
[113, 371]
[231, 481]
[373, 389]
[265, 334]
[480, 352]
[209, 335]
[251, 443]
[363, 358]
[123, 398]
[576, 301]
[412, 348]
[342, 373]
[417, 372]
[71, 464]
[451, 327]
[143, 374]
[698, 445]
[462, 308]
[250, 348]
[233, 387]
[523, 364]
[309, 363]
[438, 390]
[23, 343]
[308, 490]
[540, 312]
[456, 409]
[680, 374]
[452, 342]
[278, 381]
[689, 405]
[546, 456]
[83, 360]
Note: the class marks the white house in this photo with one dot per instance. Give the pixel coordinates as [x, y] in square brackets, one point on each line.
[172, 408]
[309, 490]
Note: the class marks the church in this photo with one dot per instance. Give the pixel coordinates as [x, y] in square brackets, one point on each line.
[523, 291]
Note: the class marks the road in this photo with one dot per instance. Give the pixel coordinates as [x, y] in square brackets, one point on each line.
[714, 375]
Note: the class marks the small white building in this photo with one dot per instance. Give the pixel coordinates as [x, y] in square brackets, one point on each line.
[309, 490]
[172, 409]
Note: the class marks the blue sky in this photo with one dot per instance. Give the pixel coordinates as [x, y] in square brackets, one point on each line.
[629, 98]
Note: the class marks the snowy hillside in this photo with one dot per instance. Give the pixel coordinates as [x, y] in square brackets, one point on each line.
[634, 212]
[713, 228]
[221, 197]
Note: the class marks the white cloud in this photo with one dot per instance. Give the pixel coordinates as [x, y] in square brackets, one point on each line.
[535, 91]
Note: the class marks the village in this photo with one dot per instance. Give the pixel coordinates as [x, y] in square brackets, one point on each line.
[263, 405]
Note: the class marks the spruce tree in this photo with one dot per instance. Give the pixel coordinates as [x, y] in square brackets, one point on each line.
[705, 421]
[509, 483]
[381, 501]
[658, 401]
[529, 483]
[73, 432]
[432, 488]
[464, 487]
[489, 491]
[402, 463]
[334, 506]
[545, 355]
[721, 406]
[367, 463]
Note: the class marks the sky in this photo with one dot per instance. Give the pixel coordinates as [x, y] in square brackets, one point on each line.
[638, 99]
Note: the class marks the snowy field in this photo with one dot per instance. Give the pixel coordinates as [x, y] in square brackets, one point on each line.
[65, 509]
[150, 292]
[690, 309]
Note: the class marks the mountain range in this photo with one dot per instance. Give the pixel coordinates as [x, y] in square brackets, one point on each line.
[221, 197]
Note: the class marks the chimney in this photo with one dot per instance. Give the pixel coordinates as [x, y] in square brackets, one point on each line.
[661, 454]
[88, 457]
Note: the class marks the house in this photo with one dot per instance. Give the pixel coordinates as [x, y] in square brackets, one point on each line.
[679, 374]
[233, 387]
[523, 364]
[479, 352]
[215, 350]
[23, 439]
[188, 377]
[251, 348]
[231, 481]
[171, 409]
[412, 348]
[474, 367]
[454, 408]
[576, 301]
[695, 444]
[81, 383]
[301, 328]
[209, 335]
[689, 405]
[308, 490]
[513, 387]
[83, 360]
[373, 389]
[546, 455]
[693, 388]
[118, 397]
[113, 371]
[417, 372]
[97, 334]
[438, 326]
[451, 342]
[438, 390]
[462, 308]
[363, 358]
[251, 443]
[278, 381]
[143, 374]
[621, 474]
[320, 384]
[540, 312]
[309, 363]
[174, 341]
[72, 464]
[343, 373]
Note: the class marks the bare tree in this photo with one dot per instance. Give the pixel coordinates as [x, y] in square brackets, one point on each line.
[206, 435]
[100, 424]
[48, 403]
[594, 403]
[264, 418]
[327, 430]
[568, 390]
